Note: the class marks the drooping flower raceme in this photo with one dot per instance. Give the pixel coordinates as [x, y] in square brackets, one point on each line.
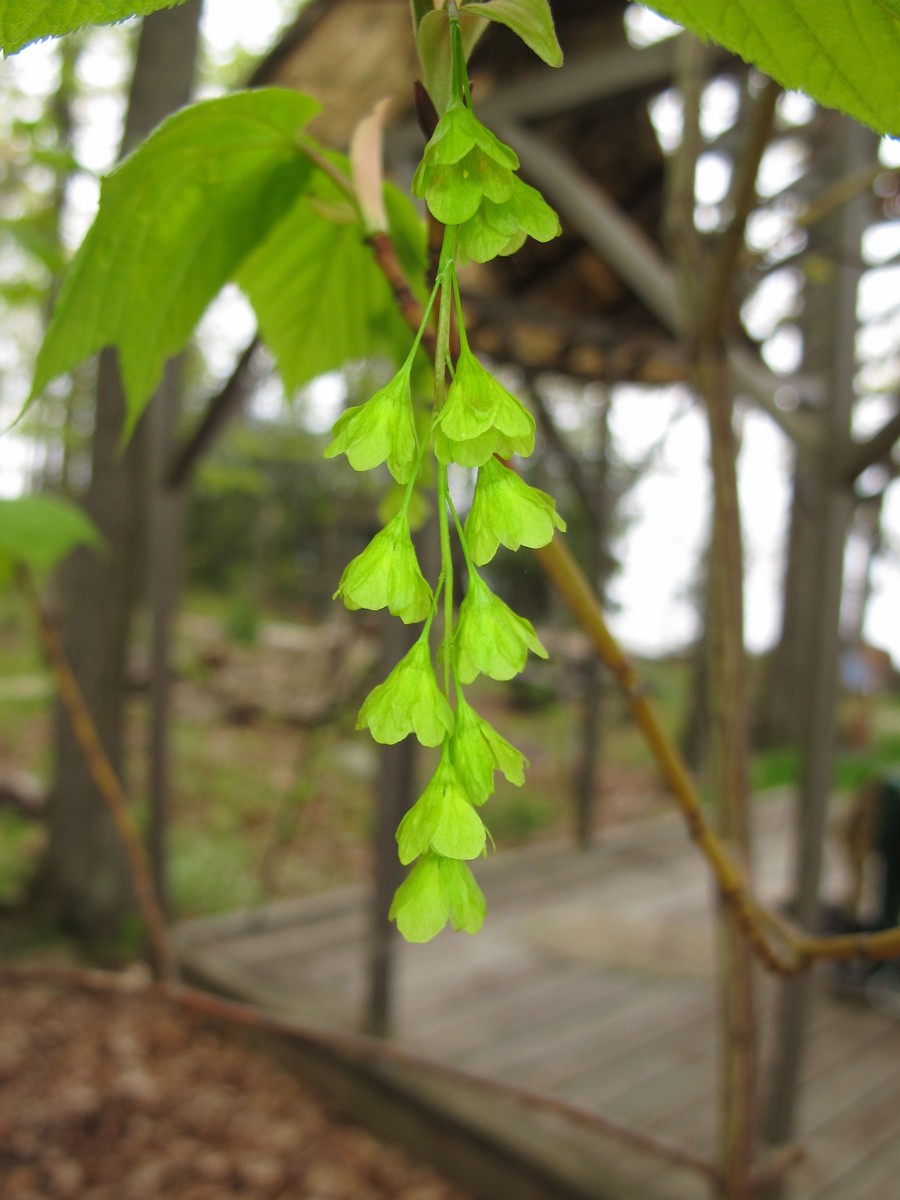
[468, 180]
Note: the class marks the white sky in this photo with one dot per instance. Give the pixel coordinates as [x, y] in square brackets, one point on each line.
[670, 505]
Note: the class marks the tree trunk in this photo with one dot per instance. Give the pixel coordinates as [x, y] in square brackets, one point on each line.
[84, 881]
[835, 311]
[727, 713]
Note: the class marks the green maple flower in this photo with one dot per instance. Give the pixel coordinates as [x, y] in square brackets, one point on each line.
[467, 178]
[478, 750]
[408, 701]
[481, 418]
[499, 227]
[490, 638]
[442, 819]
[437, 890]
[507, 511]
[462, 163]
[387, 575]
[381, 430]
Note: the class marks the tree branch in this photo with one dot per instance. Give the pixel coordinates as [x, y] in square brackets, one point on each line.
[105, 778]
[219, 411]
[875, 449]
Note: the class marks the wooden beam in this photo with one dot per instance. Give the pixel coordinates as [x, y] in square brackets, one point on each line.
[638, 262]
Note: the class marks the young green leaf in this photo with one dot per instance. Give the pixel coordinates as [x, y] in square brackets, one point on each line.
[531, 20]
[318, 295]
[26, 21]
[39, 531]
[176, 220]
[843, 53]
[433, 43]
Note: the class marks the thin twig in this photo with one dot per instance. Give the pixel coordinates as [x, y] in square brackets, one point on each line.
[742, 199]
[874, 449]
[105, 778]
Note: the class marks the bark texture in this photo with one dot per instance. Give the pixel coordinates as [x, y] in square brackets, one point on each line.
[84, 881]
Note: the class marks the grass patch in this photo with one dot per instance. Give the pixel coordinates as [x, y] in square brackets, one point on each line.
[21, 842]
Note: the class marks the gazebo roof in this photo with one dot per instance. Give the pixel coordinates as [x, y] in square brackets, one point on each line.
[559, 307]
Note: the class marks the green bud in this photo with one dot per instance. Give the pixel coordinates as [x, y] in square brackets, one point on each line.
[442, 819]
[381, 430]
[477, 750]
[387, 575]
[409, 701]
[481, 418]
[490, 638]
[506, 510]
[437, 890]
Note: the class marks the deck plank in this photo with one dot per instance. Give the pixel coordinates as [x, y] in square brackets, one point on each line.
[544, 998]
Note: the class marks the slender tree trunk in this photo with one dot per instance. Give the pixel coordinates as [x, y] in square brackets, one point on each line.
[833, 505]
[84, 881]
[727, 708]
[705, 278]
[166, 513]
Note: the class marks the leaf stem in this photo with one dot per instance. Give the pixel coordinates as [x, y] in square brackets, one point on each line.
[458, 57]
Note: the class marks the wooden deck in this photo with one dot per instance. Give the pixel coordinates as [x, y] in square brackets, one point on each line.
[592, 981]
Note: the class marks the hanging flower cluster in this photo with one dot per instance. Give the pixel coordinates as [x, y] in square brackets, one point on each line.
[467, 178]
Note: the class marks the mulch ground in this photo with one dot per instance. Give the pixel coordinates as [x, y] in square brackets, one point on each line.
[125, 1097]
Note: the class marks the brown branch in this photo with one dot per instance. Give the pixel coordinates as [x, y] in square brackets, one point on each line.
[219, 411]
[873, 450]
[742, 199]
[570, 582]
[105, 779]
[405, 299]
[835, 197]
